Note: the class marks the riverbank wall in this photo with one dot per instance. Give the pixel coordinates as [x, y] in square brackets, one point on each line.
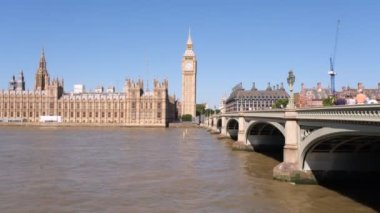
[170, 125]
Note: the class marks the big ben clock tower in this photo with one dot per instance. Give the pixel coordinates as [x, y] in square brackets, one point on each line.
[189, 80]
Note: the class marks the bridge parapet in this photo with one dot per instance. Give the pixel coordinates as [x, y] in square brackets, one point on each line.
[266, 114]
[355, 113]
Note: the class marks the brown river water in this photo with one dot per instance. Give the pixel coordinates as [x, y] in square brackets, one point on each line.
[152, 170]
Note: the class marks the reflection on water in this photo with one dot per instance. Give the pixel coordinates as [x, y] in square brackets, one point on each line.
[145, 170]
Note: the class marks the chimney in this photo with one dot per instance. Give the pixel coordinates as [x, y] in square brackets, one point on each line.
[278, 87]
[282, 85]
[378, 86]
[274, 87]
[302, 86]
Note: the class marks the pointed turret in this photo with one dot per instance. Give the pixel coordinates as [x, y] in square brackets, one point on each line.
[42, 75]
[189, 46]
[12, 84]
[42, 61]
[20, 83]
[189, 43]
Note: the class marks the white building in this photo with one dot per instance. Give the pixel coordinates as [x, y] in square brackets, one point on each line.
[79, 88]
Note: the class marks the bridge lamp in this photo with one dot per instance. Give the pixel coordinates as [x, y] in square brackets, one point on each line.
[291, 79]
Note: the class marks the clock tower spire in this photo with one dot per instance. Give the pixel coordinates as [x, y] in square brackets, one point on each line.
[189, 79]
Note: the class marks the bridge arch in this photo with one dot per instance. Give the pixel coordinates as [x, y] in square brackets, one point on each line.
[265, 135]
[334, 153]
[232, 126]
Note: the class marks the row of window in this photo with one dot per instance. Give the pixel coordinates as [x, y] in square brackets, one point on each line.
[77, 105]
[71, 114]
[237, 106]
[42, 94]
[263, 96]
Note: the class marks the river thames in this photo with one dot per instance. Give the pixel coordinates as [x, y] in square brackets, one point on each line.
[150, 170]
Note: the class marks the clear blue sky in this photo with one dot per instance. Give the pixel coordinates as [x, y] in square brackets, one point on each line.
[103, 42]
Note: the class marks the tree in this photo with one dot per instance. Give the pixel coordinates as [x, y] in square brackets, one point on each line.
[280, 103]
[187, 117]
[328, 101]
[209, 112]
[200, 109]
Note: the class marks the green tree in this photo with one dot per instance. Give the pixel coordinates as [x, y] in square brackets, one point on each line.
[200, 109]
[328, 101]
[280, 103]
[209, 112]
[187, 117]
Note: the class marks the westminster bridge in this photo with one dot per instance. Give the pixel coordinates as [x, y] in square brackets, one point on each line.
[316, 142]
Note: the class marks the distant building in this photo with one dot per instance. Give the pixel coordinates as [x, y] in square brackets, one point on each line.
[373, 93]
[312, 97]
[79, 88]
[254, 99]
[179, 109]
[133, 107]
[99, 89]
[111, 89]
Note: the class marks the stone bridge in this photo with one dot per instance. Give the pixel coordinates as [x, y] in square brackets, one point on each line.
[316, 142]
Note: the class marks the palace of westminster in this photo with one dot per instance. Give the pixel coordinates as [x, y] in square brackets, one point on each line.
[132, 107]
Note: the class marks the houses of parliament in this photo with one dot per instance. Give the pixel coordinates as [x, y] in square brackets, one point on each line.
[135, 106]
[132, 107]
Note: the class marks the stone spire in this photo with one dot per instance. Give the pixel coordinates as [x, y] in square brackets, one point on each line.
[189, 46]
[189, 43]
[42, 66]
[42, 75]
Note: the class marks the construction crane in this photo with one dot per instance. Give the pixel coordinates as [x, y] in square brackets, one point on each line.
[332, 72]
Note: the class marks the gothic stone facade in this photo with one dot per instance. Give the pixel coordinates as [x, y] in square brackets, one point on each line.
[189, 80]
[133, 107]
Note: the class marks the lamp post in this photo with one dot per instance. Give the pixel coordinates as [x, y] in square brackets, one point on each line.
[291, 79]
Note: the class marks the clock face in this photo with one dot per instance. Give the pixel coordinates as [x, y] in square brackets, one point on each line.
[189, 66]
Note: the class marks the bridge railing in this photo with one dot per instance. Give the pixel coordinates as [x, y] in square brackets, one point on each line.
[363, 113]
[279, 114]
[274, 113]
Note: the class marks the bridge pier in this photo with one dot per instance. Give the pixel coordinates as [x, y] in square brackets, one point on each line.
[223, 131]
[206, 122]
[209, 123]
[241, 133]
[213, 128]
[241, 143]
[290, 169]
